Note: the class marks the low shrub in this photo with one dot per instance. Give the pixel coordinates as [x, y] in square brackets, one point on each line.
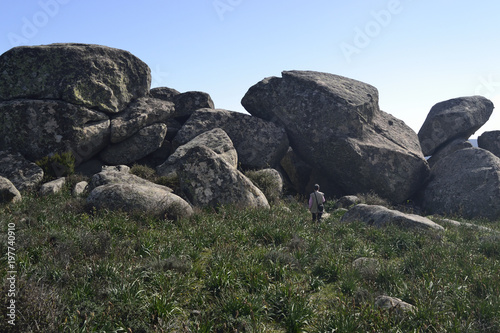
[57, 165]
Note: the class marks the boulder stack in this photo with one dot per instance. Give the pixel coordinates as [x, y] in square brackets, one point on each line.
[304, 128]
[453, 119]
[464, 180]
[335, 124]
[490, 141]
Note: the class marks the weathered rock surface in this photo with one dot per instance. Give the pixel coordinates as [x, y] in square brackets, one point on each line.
[269, 181]
[8, 192]
[444, 221]
[380, 216]
[141, 144]
[216, 139]
[206, 179]
[25, 175]
[37, 128]
[448, 148]
[490, 141]
[259, 143]
[140, 113]
[164, 93]
[94, 76]
[297, 171]
[465, 183]
[120, 175]
[368, 268]
[53, 187]
[80, 188]
[393, 304]
[135, 198]
[335, 123]
[347, 201]
[190, 101]
[452, 119]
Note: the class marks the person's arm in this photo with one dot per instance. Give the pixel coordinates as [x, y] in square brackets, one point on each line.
[310, 202]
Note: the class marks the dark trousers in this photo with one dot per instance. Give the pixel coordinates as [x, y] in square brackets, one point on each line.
[317, 216]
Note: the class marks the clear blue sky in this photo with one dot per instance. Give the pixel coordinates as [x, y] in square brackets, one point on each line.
[417, 53]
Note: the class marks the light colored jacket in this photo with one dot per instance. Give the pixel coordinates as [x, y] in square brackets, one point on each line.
[320, 197]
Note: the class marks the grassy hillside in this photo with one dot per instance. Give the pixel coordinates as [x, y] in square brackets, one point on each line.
[233, 270]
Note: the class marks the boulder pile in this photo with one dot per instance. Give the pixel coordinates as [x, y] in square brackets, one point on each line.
[310, 127]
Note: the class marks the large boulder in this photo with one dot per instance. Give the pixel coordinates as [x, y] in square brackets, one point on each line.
[37, 128]
[215, 139]
[465, 183]
[269, 181]
[94, 76]
[335, 124]
[120, 175]
[452, 119]
[164, 93]
[8, 192]
[448, 148]
[25, 175]
[206, 179]
[259, 143]
[190, 101]
[490, 141]
[380, 216]
[140, 113]
[141, 144]
[135, 198]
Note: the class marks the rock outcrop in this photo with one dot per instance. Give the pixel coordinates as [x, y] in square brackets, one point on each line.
[140, 113]
[209, 180]
[380, 216]
[136, 198]
[490, 141]
[114, 188]
[118, 175]
[141, 144]
[456, 118]
[259, 143]
[187, 103]
[53, 187]
[8, 192]
[335, 123]
[305, 127]
[216, 139]
[465, 183]
[37, 128]
[94, 76]
[24, 174]
[164, 93]
[448, 148]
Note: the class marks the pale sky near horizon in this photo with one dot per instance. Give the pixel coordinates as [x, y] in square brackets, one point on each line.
[416, 53]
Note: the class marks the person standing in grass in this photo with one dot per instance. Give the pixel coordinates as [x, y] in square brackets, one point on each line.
[316, 200]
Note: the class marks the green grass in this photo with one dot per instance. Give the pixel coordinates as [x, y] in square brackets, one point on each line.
[233, 270]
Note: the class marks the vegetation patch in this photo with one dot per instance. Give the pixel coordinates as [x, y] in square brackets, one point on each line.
[230, 269]
[57, 165]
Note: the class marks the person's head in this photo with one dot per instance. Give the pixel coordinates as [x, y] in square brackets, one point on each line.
[316, 187]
